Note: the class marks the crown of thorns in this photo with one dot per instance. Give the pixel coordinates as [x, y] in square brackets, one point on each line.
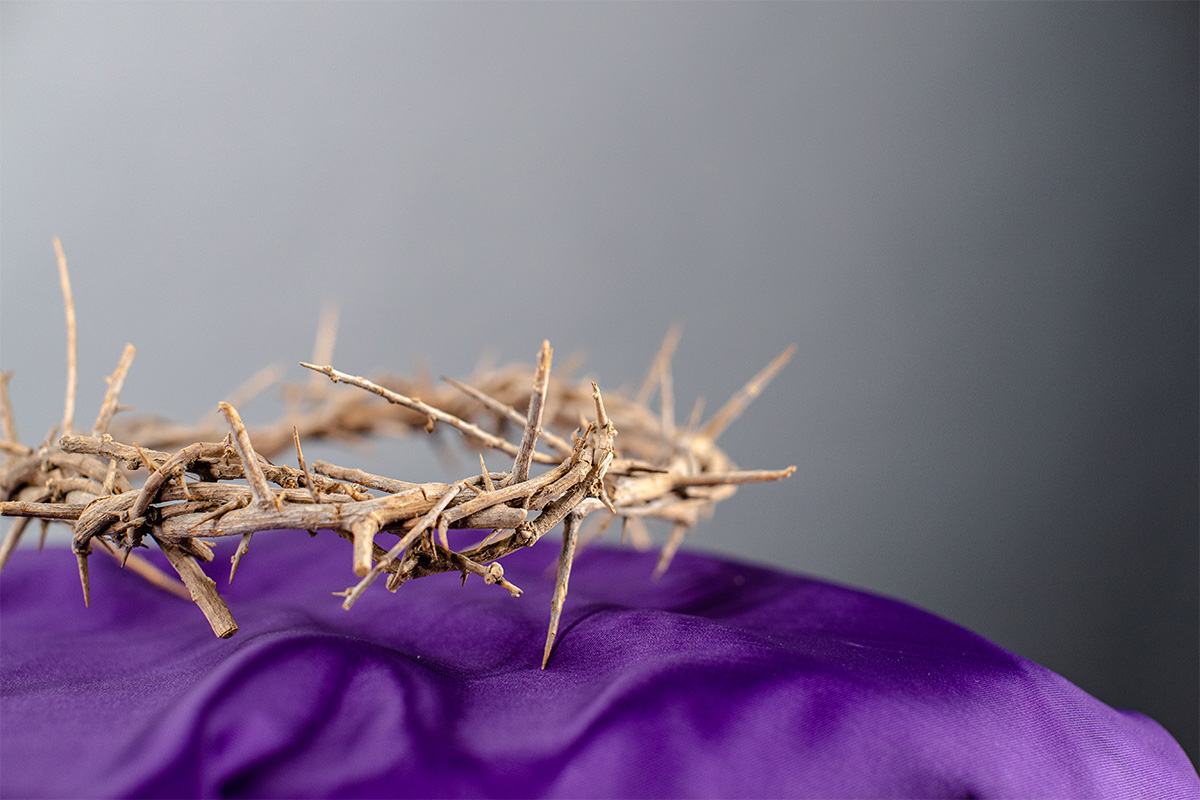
[656, 469]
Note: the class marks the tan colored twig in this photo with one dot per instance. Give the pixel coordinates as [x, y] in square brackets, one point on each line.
[696, 415]
[636, 531]
[8, 426]
[734, 407]
[661, 361]
[488, 485]
[670, 548]
[308, 479]
[64, 280]
[81, 560]
[203, 590]
[533, 424]
[357, 476]
[565, 559]
[254, 473]
[14, 449]
[558, 444]
[263, 496]
[326, 338]
[12, 538]
[429, 411]
[115, 382]
[253, 386]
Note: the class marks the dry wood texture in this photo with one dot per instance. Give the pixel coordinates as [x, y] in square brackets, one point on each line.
[131, 483]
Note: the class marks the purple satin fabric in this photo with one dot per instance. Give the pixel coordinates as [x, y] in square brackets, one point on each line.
[719, 680]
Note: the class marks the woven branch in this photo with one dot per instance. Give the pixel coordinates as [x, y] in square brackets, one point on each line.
[146, 480]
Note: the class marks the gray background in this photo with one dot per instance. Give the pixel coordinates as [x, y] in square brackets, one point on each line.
[978, 222]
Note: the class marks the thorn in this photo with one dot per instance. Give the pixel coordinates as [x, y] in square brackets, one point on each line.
[11, 538]
[604, 498]
[638, 533]
[598, 532]
[251, 388]
[533, 422]
[666, 393]
[242, 548]
[694, 417]
[263, 495]
[442, 526]
[601, 414]
[125, 558]
[8, 424]
[111, 397]
[64, 280]
[150, 467]
[327, 326]
[663, 358]
[308, 478]
[737, 404]
[488, 486]
[669, 549]
[565, 559]
[83, 578]
[733, 477]
[506, 411]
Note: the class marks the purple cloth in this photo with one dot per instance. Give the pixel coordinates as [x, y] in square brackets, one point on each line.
[720, 679]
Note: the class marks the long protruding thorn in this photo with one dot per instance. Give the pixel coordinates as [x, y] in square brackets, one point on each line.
[326, 338]
[83, 579]
[737, 404]
[533, 423]
[565, 559]
[669, 549]
[242, 548]
[601, 414]
[254, 475]
[112, 396]
[64, 280]
[506, 411]
[8, 424]
[308, 478]
[12, 538]
[485, 476]
[661, 360]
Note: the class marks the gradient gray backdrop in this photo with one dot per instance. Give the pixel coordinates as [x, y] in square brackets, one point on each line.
[977, 221]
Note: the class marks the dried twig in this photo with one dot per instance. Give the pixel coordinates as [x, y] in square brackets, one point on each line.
[565, 559]
[734, 407]
[115, 382]
[323, 347]
[533, 425]
[64, 280]
[559, 445]
[8, 425]
[431, 412]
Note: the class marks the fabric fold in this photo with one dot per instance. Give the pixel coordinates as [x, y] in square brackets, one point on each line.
[719, 680]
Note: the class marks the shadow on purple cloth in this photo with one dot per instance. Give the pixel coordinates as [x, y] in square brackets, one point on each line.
[719, 680]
